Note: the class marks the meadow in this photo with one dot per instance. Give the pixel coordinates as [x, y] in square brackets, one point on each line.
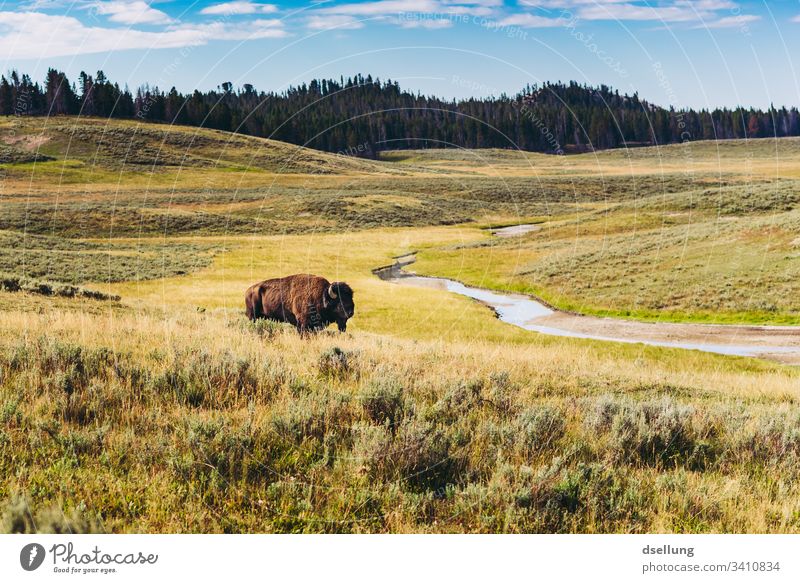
[167, 411]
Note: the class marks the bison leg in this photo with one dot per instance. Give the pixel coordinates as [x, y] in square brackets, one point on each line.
[302, 327]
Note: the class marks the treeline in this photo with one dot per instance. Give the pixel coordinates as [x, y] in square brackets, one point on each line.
[362, 115]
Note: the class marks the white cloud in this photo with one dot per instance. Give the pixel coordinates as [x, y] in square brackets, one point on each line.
[673, 13]
[526, 20]
[41, 4]
[130, 12]
[239, 7]
[328, 21]
[433, 14]
[383, 7]
[701, 5]
[34, 35]
[730, 21]
[431, 23]
[720, 13]
[252, 29]
[475, 2]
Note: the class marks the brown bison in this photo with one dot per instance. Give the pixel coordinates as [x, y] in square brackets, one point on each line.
[308, 302]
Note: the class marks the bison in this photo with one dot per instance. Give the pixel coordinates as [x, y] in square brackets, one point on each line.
[308, 302]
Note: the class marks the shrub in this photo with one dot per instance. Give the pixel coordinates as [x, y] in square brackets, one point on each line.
[502, 392]
[419, 455]
[62, 366]
[193, 376]
[10, 283]
[457, 402]
[19, 518]
[13, 283]
[222, 453]
[336, 363]
[661, 433]
[266, 329]
[38, 287]
[383, 402]
[313, 416]
[539, 428]
[10, 413]
[601, 415]
[772, 440]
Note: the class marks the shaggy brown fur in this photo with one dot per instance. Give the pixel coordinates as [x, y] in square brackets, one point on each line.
[308, 302]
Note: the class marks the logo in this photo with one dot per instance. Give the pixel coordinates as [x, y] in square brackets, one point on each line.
[31, 556]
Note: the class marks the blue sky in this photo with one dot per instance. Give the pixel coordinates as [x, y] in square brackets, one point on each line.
[701, 53]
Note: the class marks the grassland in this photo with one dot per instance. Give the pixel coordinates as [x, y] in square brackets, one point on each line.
[167, 412]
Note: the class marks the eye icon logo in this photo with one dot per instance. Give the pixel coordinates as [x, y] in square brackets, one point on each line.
[31, 556]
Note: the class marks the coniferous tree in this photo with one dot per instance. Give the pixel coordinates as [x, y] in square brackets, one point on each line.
[364, 115]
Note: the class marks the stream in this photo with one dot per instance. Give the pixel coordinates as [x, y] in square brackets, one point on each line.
[780, 343]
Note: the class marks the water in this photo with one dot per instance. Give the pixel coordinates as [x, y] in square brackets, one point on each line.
[525, 312]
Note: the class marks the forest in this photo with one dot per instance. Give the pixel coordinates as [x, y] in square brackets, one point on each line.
[362, 116]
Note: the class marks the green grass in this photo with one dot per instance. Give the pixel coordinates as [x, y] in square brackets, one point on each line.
[641, 265]
[62, 260]
[166, 411]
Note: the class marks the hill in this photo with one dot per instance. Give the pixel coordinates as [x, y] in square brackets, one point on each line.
[120, 145]
[642, 233]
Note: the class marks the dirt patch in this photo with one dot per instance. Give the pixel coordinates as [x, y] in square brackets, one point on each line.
[514, 230]
[26, 143]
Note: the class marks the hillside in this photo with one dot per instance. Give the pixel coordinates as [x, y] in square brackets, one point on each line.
[119, 145]
[642, 233]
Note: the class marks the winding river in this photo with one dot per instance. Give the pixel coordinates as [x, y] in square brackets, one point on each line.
[781, 343]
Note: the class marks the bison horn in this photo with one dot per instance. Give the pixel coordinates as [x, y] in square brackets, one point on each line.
[331, 292]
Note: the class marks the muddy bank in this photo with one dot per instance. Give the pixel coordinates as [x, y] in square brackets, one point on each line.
[514, 230]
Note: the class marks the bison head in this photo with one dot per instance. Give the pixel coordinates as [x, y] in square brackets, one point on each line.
[339, 300]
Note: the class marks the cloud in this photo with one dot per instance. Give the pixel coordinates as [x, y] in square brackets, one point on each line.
[239, 7]
[718, 13]
[35, 35]
[730, 21]
[432, 14]
[329, 21]
[130, 12]
[41, 4]
[667, 13]
[475, 2]
[383, 7]
[528, 13]
[431, 23]
[526, 20]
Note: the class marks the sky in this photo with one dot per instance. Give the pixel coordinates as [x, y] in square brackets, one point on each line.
[699, 54]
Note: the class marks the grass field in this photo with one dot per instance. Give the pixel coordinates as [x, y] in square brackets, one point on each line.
[166, 411]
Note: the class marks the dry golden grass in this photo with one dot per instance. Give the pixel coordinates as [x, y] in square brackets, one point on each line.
[198, 422]
[167, 412]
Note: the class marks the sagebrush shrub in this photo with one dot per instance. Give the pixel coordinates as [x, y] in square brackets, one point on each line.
[336, 363]
[18, 517]
[661, 433]
[383, 401]
[539, 428]
[419, 455]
